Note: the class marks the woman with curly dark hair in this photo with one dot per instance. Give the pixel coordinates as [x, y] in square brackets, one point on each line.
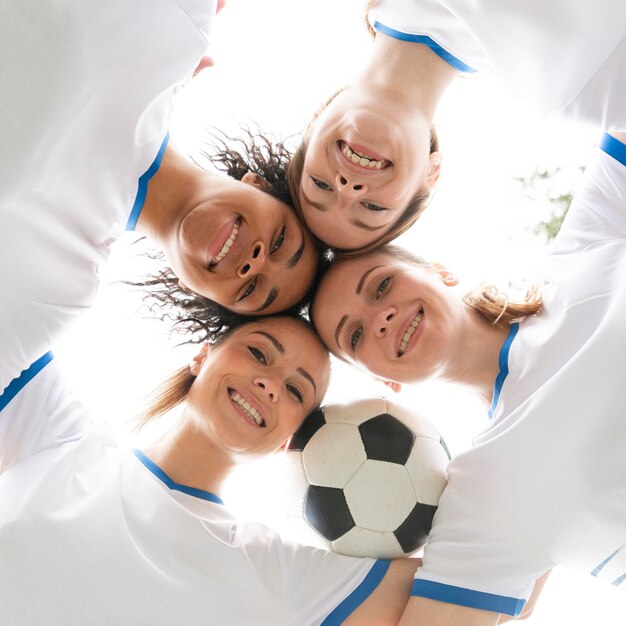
[85, 155]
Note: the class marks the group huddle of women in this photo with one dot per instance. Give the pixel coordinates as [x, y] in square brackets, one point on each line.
[92, 534]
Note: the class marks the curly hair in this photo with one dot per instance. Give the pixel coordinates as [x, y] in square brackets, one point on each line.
[197, 317]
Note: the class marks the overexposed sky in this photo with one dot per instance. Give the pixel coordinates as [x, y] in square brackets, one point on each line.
[275, 63]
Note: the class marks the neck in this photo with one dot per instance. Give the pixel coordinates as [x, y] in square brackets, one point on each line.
[170, 197]
[477, 365]
[410, 72]
[191, 459]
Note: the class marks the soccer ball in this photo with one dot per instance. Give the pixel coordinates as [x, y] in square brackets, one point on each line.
[368, 476]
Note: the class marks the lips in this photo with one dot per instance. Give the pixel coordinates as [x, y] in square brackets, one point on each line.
[411, 332]
[247, 407]
[222, 242]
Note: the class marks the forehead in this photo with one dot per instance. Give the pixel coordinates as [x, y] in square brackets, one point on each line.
[291, 339]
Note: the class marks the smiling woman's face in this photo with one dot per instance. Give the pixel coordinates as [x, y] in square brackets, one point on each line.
[253, 390]
[364, 163]
[245, 250]
[395, 319]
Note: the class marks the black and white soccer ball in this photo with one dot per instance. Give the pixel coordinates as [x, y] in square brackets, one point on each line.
[367, 477]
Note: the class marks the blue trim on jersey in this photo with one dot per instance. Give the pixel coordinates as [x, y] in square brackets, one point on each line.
[467, 597]
[618, 581]
[613, 147]
[503, 362]
[359, 595]
[142, 186]
[457, 64]
[163, 477]
[596, 570]
[17, 384]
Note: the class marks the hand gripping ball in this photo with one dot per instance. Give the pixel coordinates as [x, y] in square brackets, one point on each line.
[370, 474]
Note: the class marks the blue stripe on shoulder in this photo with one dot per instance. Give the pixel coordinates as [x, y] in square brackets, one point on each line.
[427, 41]
[613, 147]
[503, 362]
[142, 186]
[359, 595]
[164, 478]
[17, 384]
[467, 597]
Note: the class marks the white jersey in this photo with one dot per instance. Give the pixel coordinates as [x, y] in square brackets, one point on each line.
[568, 58]
[86, 91]
[91, 535]
[544, 484]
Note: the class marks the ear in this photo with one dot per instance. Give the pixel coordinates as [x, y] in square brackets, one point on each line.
[395, 387]
[447, 277]
[256, 181]
[434, 169]
[198, 360]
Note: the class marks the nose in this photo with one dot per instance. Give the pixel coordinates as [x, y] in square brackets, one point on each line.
[382, 320]
[268, 386]
[349, 186]
[254, 262]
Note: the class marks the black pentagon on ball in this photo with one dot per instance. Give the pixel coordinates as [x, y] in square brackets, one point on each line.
[308, 428]
[413, 532]
[386, 438]
[326, 510]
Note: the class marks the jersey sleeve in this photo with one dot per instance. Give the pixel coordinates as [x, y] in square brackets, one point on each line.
[598, 210]
[315, 586]
[37, 412]
[467, 562]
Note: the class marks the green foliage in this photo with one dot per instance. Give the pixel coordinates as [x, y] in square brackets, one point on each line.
[540, 188]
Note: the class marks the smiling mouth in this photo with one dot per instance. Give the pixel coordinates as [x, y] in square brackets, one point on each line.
[408, 333]
[247, 408]
[228, 244]
[358, 157]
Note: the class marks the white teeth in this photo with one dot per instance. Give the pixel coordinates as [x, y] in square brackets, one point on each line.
[248, 408]
[409, 332]
[228, 244]
[360, 159]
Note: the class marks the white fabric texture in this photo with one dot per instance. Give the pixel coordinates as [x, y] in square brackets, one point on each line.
[86, 91]
[566, 58]
[92, 537]
[544, 484]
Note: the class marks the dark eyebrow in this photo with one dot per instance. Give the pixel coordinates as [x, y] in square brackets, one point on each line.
[357, 223]
[342, 321]
[308, 377]
[279, 346]
[365, 226]
[315, 205]
[295, 257]
[271, 296]
[361, 282]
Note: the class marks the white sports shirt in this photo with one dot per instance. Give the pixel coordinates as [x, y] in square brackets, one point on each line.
[568, 58]
[91, 535]
[545, 484]
[86, 91]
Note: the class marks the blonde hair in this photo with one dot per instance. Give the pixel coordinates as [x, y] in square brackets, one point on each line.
[495, 306]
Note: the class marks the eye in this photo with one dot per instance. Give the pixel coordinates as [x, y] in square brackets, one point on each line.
[370, 206]
[257, 354]
[296, 393]
[382, 287]
[279, 240]
[249, 290]
[321, 184]
[355, 337]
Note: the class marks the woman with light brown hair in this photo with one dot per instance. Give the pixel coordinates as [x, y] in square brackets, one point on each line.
[367, 163]
[542, 485]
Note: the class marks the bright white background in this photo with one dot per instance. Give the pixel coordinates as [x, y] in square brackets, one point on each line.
[275, 63]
